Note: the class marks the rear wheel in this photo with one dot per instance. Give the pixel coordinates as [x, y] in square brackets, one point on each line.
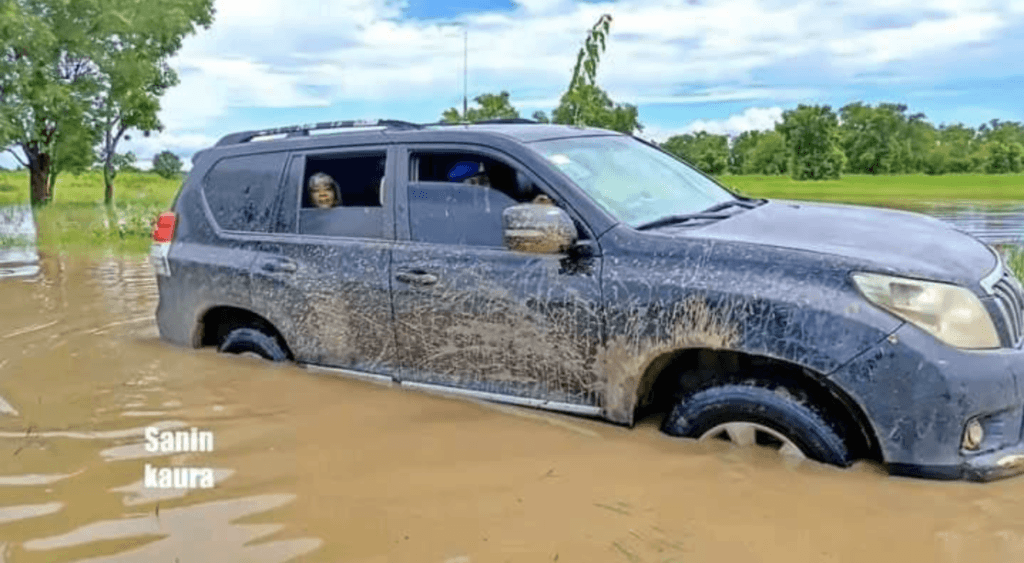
[749, 415]
[253, 342]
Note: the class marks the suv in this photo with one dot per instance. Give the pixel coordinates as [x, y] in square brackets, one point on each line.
[590, 272]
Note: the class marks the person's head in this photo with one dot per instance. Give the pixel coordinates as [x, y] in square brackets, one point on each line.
[323, 191]
[479, 179]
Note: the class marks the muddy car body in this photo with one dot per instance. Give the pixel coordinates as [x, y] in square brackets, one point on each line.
[832, 332]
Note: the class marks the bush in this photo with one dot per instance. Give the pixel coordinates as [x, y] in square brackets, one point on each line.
[167, 164]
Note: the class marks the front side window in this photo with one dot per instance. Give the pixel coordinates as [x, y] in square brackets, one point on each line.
[457, 197]
[633, 182]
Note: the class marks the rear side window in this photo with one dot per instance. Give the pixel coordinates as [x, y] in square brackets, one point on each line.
[343, 194]
[242, 191]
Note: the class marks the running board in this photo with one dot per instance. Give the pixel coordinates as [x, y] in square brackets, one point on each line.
[446, 390]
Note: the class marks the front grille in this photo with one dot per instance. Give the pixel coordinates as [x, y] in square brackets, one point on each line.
[1010, 297]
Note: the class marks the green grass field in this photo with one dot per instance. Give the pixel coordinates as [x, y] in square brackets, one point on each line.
[77, 219]
[889, 191]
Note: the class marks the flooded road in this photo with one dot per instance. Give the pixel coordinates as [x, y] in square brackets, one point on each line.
[310, 467]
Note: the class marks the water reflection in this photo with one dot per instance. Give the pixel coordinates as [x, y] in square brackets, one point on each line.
[994, 223]
[19, 256]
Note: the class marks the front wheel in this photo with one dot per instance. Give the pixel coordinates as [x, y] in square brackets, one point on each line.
[749, 415]
[253, 342]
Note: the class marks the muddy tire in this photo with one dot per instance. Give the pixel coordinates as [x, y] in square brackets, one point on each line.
[758, 415]
[253, 341]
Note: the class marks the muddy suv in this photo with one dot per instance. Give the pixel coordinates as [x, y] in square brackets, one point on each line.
[589, 272]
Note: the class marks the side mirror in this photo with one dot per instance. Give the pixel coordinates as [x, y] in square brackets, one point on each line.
[538, 227]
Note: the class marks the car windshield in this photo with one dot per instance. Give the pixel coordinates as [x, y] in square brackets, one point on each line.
[632, 181]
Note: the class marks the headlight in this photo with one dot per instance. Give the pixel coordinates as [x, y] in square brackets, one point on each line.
[951, 313]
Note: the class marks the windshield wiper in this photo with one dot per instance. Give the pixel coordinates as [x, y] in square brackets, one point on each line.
[672, 219]
[709, 213]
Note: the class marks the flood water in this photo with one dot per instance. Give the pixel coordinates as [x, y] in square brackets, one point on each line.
[310, 467]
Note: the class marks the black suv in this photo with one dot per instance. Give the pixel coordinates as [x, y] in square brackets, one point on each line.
[590, 272]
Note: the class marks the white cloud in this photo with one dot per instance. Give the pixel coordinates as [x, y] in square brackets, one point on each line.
[759, 119]
[308, 53]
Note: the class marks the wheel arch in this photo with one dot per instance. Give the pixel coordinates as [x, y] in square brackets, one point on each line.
[217, 321]
[672, 375]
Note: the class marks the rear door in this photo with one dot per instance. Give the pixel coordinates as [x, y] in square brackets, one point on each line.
[471, 313]
[323, 279]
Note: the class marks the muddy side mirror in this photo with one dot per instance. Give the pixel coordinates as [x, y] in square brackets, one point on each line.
[539, 228]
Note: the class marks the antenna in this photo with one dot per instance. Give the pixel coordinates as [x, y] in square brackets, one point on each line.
[465, 71]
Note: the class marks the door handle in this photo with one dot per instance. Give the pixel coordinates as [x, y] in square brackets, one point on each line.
[280, 265]
[417, 278]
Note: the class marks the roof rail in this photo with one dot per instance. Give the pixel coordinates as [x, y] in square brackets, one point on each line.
[508, 120]
[303, 130]
[486, 121]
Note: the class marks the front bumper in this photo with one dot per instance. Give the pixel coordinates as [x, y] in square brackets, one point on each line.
[919, 394]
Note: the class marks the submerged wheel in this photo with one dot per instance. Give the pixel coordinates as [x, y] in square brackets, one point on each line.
[749, 415]
[253, 342]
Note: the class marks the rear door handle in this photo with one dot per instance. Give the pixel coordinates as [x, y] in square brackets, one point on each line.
[280, 265]
[417, 278]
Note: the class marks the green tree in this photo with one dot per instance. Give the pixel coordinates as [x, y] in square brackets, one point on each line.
[812, 136]
[769, 156]
[167, 164]
[492, 106]
[541, 117]
[709, 153]
[958, 148]
[875, 140]
[742, 147]
[73, 150]
[586, 104]
[1003, 157]
[103, 61]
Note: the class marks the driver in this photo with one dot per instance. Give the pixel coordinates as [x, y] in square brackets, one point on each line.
[324, 192]
[479, 179]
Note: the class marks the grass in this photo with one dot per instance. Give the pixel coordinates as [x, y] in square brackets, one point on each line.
[889, 191]
[77, 221]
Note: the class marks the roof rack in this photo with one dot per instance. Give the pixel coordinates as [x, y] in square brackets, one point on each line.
[303, 130]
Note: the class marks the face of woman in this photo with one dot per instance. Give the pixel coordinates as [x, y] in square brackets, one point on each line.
[323, 196]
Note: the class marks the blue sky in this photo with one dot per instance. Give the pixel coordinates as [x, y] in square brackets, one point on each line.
[724, 66]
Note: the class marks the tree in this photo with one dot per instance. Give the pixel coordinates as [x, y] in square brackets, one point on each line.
[492, 106]
[742, 146]
[539, 116]
[709, 153]
[46, 75]
[769, 156]
[73, 151]
[167, 164]
[875, 140]
[586, 104]
[812, 136]
[105, 62]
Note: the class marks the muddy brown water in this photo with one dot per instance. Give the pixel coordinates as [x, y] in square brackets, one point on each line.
[310, 467]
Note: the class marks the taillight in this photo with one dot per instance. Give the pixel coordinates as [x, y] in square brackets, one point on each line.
[164, 230]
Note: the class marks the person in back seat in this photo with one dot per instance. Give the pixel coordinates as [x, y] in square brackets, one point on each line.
[324, 191]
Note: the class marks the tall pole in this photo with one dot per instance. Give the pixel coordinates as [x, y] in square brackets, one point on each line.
[465, 72]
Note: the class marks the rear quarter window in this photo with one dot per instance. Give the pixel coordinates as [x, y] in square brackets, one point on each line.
[242, 191]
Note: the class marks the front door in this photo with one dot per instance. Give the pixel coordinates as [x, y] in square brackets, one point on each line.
[325, 284]
[469, 312]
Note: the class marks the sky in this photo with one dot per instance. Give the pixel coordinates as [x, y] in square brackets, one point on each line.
[723, 66]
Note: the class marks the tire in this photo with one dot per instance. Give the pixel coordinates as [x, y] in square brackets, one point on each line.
[769, 410]
[255, 341]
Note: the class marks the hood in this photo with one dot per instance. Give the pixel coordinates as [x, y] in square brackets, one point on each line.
[895, 241]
